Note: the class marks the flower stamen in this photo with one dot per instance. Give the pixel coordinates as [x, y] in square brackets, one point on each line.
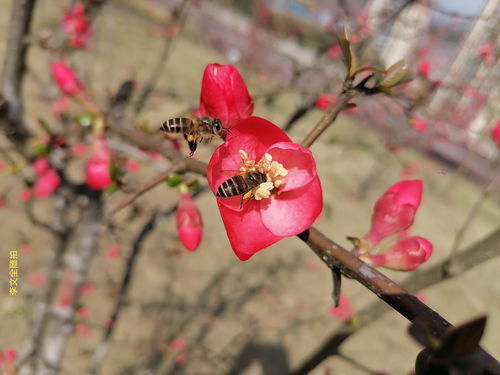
[273, 170]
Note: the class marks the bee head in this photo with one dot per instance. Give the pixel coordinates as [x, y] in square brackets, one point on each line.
[216, 126]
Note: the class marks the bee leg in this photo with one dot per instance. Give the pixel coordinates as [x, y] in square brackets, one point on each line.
[192, 143]
[241, 203]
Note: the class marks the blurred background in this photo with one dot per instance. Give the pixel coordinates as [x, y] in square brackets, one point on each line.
[205, 312]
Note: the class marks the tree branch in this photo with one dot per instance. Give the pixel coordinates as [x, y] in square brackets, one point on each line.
[475, 255]
[11, 108]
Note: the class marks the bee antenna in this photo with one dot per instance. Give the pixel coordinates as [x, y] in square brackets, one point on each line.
[229, 131]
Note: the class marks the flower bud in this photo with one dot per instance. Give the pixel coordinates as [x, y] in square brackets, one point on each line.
[325, 101]
[46, 184]
[97, 169]
[66, 79]
[344, 311]
[41, 165]
[189, 223]
[495, 134]
[424, 69]
[406, 254]
[395, 210]
[224, 95]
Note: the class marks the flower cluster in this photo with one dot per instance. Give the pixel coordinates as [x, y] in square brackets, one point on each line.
[47, 181]
[76, 26]
[286, 201]
[393, 214]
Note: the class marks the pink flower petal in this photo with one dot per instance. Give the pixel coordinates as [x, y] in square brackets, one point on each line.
[245, 230]
[286, 214]
[298, 161]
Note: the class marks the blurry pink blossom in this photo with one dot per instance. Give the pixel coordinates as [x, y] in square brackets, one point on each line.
[46, 184]
[495, 134]
[66, 79]
[334, 51]
[82, 312]
[41, 165]
[419, 124]
[113, 252]
[65, 294]
[86, 288]
[38, 279]
[181, 359]
[424, 69]
[78, 149]
[325, 101]
[178, 344]
[97, 169]
[76, 25]
[344, 311]
[83, 330]
[60, 105]
[132, 166]
[25, 195]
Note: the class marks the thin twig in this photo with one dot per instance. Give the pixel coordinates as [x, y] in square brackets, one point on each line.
[137, 246]
[142, 190]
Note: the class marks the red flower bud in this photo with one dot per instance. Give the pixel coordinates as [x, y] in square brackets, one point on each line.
[41, 165]
[406, 254]
[419, 124]
[76, 25]
[325, 101]
[189, 223]
[97, 169]
[46, 184]
[395, 210]
[66, 79]
[224, 95]
[495, 133]
[424, 69]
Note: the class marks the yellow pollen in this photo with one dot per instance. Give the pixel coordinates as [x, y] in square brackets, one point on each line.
[273, 170]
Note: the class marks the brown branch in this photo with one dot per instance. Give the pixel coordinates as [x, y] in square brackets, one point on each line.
[474, 256]
[180, 16]
[11, 108]
[327, 119]
[148, 227]
[390, 292]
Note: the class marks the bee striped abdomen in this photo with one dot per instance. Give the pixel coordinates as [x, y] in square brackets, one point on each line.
[232, 187]
[176, 125]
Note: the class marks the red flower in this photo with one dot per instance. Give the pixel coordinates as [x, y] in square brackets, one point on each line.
[406, 254]
[495, 133]
[395, 210]
[285, 205]
[224, 95]
[189, 223]
[37, 279]
[66, 79]
[77, 26]
[113, 252]
[325, 101]
[46, 184]
[97, 169]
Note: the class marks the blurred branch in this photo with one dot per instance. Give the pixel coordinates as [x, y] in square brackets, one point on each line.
[474, 256]
[179, 18]
[142, 190]
[86, 244]
[11, 106]
[329, 117]
[102, 348]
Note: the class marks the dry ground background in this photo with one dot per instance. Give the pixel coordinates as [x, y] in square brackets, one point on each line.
[279, 300]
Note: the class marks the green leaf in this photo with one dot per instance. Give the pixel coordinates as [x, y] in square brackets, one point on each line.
[174, 179]
[111, 188]
[395, 73]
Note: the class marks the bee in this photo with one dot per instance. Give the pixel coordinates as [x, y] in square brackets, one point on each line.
[240, 185]
[194, 129]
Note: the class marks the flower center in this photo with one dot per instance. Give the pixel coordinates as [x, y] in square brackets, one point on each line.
[273, 171]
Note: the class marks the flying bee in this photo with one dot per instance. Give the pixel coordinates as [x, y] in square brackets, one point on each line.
[241, 184]
[194, 129]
